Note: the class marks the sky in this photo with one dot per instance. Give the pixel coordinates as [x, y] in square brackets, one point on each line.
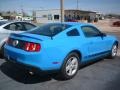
[102, 6]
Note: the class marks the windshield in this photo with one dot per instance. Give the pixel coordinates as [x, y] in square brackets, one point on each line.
[49, 29]
[2, 22]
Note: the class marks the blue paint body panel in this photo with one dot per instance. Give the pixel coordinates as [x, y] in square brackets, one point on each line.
[57, 48]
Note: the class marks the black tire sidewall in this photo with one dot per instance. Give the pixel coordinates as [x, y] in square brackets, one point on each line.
[111, 56]
[64, 75]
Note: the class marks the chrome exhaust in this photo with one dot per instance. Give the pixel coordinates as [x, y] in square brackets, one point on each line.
[31, 73]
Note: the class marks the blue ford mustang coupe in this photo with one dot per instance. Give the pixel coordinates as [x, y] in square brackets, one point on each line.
[60, 46]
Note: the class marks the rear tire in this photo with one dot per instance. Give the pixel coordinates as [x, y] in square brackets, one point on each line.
[70, 66]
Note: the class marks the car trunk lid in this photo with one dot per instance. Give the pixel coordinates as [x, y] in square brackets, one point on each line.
[30, 36]
[20, 40]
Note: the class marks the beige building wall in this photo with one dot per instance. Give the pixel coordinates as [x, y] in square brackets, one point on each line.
[48, 16]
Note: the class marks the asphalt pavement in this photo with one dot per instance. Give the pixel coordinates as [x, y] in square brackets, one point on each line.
[100, 75]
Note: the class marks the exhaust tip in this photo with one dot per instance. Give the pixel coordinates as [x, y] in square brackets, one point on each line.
[31, 73]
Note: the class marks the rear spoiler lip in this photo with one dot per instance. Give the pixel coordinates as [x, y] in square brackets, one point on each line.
[21, 35]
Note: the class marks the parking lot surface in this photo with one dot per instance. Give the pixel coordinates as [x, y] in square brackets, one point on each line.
[101, 75]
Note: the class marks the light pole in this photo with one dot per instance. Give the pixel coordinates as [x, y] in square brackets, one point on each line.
[62, 10]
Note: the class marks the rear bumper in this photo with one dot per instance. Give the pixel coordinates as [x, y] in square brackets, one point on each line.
[31, 68]
[24, 66]
[37, 60]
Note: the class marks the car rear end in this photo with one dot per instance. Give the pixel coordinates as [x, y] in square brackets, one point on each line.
[35, 48]
[28, 50]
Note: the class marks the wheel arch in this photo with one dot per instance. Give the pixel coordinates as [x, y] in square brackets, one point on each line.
[2, 43]
[73, 51]
[63, 76]
[116, 42]
[77, 52]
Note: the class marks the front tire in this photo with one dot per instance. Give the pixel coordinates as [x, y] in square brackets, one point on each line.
[70, 66]
[113, 52]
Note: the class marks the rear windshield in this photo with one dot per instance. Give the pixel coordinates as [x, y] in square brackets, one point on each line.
[49, 29]
[2, 22]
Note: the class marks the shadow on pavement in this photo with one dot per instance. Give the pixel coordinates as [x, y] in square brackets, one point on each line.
[21, 75]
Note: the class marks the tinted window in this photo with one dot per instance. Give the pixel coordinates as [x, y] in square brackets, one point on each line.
[28, 26]
[10, 27]
[90, 31]
[49, 29]
[73, 32]
[15, 27]
[19, 27]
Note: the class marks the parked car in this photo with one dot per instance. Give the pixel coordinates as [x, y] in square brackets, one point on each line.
[12, 27]
[3, 20]
[117, 23]
[59, 46]
[72, 20]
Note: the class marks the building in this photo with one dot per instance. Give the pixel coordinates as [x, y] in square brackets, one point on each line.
[100, 16]
[53, 15]
[1, 18]
[19, 17]
[15, 16]
[43, 16]
[9, 15]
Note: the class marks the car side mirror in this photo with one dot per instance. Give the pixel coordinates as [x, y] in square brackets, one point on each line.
[103, 35]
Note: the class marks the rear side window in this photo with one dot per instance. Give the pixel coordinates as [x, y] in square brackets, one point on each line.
[49, 29]
[73, 32]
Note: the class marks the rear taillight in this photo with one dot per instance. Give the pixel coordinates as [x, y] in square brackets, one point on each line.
[32, 47]
[7, 40]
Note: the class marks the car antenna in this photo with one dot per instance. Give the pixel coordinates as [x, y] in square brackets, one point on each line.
[51, 35]
[51, 38]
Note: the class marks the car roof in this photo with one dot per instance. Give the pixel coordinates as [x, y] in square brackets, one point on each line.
[76, 23]
[18, 22]
[4, 22]
[10, 22]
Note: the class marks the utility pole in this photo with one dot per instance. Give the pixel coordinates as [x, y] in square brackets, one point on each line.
[62, 10]
[22, 11]
[77, 4]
